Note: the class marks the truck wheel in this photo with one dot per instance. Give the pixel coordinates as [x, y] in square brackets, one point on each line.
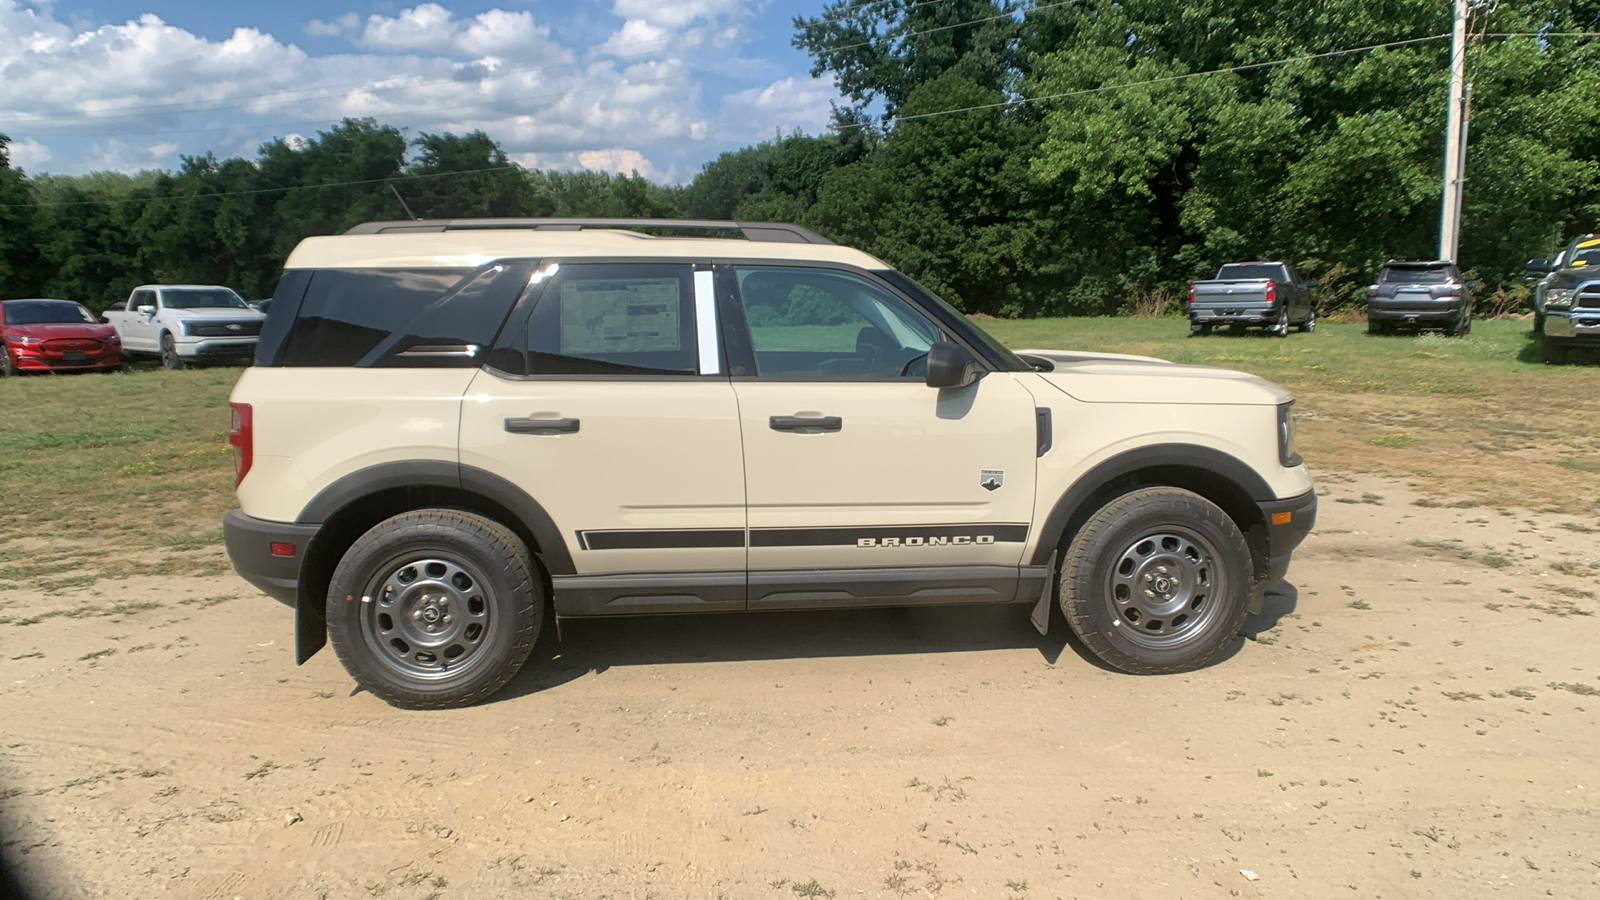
[1280, 328]
[1538, 322]
[1310, 324]
[435, 608]
[169, 352]
[1203, 330]
[1552, 352]
[1157, 582]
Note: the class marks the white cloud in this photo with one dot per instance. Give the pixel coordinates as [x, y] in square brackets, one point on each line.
[664, 25]
[785, 105]
[28, 154]
[348, 23]
[131, 95]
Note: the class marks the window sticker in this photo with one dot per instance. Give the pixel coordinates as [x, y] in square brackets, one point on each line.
[612, 316]
[1594, 243]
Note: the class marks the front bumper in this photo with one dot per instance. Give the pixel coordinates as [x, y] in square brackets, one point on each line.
[1288, 523]
[216, 348]
[1576, 327]
[250, 544]
[32, 359]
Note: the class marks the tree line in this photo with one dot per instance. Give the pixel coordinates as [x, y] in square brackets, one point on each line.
[1041, 158]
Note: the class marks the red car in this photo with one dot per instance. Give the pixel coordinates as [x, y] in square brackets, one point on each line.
[54, 336]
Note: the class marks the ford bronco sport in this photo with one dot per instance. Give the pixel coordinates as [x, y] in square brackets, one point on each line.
[456, 429]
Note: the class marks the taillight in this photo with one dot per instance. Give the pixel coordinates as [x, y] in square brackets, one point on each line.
[1372, 291]
[1272, 292]
[242, 438]
[1191, 294]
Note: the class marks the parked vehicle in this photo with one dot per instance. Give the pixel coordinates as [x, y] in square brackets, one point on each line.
[1269, 295]
[187, 323]
[1420, 295]
[427, 454]
[54, 336]
[1567, 299]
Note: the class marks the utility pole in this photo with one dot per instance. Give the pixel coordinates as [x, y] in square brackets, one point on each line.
[1454, 145]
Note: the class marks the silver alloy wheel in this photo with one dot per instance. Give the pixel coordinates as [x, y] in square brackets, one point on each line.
[1165, 587]
[1281, 328]
[428, 618]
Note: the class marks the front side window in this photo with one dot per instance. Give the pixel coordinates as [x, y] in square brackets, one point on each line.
[608, 319]
[822, 323]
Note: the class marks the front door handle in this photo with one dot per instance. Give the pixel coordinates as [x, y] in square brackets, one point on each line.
[542, 426]
[798, 423]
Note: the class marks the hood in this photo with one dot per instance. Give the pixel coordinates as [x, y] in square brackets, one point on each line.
[63, 331]
[236, 315]
[1115, 378]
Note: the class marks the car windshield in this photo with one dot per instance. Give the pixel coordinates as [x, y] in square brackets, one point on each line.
[203, 298]
[1586, 255]
[46, 312]
[1415, 275]
[1249, 272]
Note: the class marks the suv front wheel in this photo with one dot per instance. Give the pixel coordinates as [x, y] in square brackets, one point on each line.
[435, 608]
[1156, 582]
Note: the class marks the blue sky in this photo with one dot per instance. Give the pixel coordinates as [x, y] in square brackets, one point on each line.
[657, 86]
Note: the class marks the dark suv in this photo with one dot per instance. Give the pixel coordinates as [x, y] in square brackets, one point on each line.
[1420, 295]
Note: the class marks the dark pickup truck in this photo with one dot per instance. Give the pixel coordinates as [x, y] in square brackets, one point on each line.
[1268, 295]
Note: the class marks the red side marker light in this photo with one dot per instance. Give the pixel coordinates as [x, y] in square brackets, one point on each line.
[1282, 518]
[284, 548]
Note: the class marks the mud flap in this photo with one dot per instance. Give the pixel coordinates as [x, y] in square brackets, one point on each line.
[1041, 610]
[310, 631]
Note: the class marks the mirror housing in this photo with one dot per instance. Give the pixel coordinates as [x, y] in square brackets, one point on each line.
[1538, 267]
[952, 366]
[146, 310]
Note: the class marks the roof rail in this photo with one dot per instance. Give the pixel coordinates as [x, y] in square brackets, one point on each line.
[773, 232]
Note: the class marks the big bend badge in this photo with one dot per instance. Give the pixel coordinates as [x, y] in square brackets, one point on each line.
[991, 479]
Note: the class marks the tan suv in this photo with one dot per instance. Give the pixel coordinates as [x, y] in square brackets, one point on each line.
[455, 429]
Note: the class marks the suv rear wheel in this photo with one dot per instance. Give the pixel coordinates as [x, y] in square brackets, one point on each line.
[435, 608]
[1156, 582]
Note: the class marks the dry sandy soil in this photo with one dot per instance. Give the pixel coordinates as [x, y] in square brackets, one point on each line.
[1416, 715]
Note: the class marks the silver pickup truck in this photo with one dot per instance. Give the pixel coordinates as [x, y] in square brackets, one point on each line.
[1267, 295]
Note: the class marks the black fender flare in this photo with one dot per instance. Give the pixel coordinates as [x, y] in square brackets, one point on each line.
[1231, 471]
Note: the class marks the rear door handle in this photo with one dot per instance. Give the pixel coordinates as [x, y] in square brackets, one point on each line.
[797, 423]
[542, 426]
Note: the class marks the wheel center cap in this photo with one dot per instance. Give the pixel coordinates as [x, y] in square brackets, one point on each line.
[1163, 585]
[430, 614]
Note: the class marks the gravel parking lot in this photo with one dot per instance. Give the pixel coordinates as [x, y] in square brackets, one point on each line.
[1414, 715]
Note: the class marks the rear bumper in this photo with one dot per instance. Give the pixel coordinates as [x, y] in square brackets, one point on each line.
[249, 542]
[1445, 313]
[1288, 523]
[1243, 314]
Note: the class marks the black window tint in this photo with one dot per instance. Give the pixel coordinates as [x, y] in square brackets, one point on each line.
[1250, 272]
[402, 317]
[1416, 275]
[611, 319]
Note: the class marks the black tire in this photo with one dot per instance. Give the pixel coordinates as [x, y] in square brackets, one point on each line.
[402, 644]
[1197, 565]
[1462, 327]
[1553, 352]
[1377, 327]
[1538, 322]
[6, 370]
[1202, 330]
[1280, 328]
[169, 352]
[1310, 324]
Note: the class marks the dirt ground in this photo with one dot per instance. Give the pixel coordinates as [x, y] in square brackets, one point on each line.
[1416, 715]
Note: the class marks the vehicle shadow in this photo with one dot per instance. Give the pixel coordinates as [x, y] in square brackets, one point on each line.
[595, 645]
[1532, 352]
[592, 646]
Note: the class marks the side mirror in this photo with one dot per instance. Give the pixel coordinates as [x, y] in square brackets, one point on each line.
[146, 311]
[952, 366]
[1538, 266]
[103, 320]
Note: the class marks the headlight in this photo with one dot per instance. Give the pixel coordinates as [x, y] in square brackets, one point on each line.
[23, 339]
[1286, 454]
[1558, 298]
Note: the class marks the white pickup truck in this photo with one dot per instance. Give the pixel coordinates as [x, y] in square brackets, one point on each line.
[186, 323]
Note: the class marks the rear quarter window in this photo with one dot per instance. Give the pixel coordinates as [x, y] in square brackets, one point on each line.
[400, 317]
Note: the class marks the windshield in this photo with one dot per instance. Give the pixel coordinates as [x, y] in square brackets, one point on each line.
[1585, 255]
[1417, 275]
[202, 298]
[46, 312]
[1249, 272]
[1007, 359]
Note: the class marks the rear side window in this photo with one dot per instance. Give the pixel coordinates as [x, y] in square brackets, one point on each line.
[1244, 272]
[1418, 275]
[607, 319]
[402, 317]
